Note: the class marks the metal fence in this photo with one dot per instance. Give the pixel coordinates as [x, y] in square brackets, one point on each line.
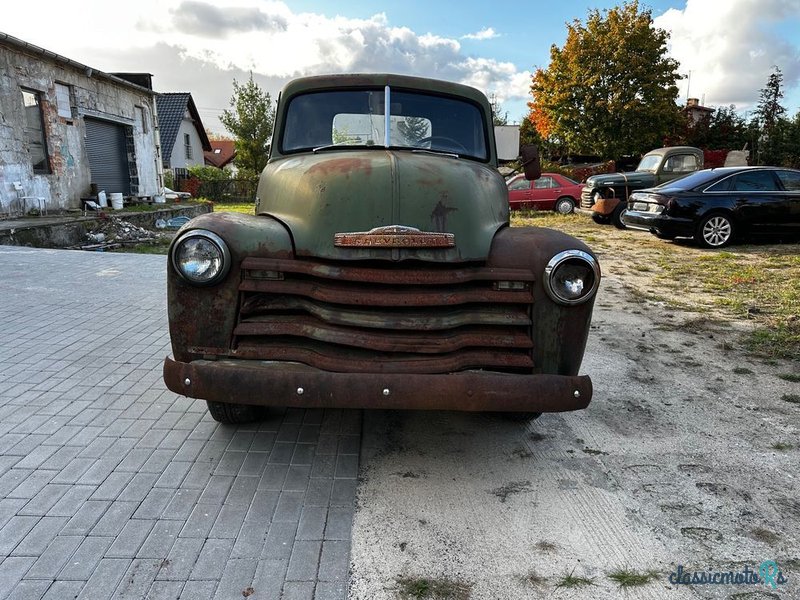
[229, 190]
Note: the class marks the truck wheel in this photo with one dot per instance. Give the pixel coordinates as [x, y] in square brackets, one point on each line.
[232, 414]
[616, 217]
[600, 219]
[564, 205]
[715, 231]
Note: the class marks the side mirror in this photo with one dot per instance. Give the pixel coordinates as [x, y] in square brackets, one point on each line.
[530, 162]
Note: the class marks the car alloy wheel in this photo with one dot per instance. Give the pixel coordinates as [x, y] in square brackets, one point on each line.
[716, 231]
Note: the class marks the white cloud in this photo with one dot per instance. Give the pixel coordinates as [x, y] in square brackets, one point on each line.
[730, 48]
[487, 33]
[201, 45]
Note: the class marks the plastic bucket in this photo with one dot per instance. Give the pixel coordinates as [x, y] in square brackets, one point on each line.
[101, 198]
[159, 199]
[116, 201]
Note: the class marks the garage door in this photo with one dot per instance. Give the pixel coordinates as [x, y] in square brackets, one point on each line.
[108, 158]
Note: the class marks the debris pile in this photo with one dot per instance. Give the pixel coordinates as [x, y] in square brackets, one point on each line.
[112, 232]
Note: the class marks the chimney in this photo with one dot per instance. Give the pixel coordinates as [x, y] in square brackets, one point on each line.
[692, 102]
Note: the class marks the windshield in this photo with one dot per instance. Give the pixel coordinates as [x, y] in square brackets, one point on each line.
[649, 163]
[320, 120]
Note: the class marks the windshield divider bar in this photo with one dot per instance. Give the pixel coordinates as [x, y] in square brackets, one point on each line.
[387, 110]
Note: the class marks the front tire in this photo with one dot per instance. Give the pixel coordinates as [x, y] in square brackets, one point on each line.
[715, 231]
[600, 219]
[565, 205]
[232, 414]
[616, 217]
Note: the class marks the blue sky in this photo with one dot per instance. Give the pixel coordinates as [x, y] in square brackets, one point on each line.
[200, 46]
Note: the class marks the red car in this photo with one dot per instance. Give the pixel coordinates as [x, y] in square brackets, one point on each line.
[550, 192]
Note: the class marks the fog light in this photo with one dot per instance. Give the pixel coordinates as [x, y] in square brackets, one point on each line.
[571, 277]
[201, 257]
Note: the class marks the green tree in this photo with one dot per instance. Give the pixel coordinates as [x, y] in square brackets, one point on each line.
[611, 89]
[498, 116]
[413, 129]
[250, 121]
[723, 129]
[770, 109]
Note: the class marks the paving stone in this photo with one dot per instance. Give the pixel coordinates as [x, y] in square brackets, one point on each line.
[39, 538]
[83, 562]
[304, 561]
[104, 579]
[130, 538]
[29, 589]
[11, 571]
[54, 557]
[211, 561]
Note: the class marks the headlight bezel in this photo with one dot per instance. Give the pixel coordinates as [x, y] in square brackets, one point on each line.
[216, 241]
[561, 259]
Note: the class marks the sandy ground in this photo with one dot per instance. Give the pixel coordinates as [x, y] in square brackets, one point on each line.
[672, 464]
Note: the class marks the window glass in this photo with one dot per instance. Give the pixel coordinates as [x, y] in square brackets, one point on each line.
[681, 163]
[544, 183]
[187, 142]
[756, 181]
[520, 184]
[357, 118]
[790, 180]
[34, 131]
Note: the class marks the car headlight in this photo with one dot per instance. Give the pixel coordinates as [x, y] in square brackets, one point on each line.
[571, 277]
[201, 257]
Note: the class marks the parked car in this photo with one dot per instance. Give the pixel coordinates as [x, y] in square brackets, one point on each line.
[604, 196]
[173, 195]
[717, 206]
[379, 270]
[551, 191]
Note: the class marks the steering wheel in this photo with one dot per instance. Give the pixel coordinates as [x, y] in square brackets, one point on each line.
[448, 142]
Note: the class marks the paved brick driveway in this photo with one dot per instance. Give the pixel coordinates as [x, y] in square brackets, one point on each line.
[113, 487]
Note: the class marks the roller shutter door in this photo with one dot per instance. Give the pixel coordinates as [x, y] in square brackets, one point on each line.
[108, 157]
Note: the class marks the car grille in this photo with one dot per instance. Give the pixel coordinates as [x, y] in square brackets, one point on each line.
[586, 198]
[363, 318]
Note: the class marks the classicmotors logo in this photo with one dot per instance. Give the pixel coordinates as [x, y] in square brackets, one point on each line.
[767, 574]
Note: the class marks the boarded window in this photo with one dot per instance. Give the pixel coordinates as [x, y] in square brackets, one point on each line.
[63, 101]
[34, 131]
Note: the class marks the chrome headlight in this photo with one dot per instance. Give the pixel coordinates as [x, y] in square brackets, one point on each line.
[201, 257]
[571, 277]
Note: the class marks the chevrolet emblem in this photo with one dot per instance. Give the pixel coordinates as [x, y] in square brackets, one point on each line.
[394, 236]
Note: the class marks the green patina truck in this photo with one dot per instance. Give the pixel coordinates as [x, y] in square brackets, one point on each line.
[605, 196]
[379, 269]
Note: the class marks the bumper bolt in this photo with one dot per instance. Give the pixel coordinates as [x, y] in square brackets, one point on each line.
[187, 381]
[577, 394]
[386, 391]
[300, 391]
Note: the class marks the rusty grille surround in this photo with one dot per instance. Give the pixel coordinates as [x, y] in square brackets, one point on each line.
[394, 318]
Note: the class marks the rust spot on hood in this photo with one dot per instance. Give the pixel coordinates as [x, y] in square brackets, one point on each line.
[341, 166]
[439, 215]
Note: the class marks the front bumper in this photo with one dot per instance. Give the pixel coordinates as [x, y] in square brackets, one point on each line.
[658, 223]
[272, 383]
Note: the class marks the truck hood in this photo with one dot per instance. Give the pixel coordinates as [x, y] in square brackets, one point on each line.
[637, 179]
[317, 196]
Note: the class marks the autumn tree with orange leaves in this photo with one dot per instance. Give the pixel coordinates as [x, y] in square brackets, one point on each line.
[611, 90]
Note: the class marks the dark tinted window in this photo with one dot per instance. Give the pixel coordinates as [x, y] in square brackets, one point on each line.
[749, 181]
[790, 180]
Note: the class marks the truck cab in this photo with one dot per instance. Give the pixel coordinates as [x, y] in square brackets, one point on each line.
[605, 196]
[379, 269]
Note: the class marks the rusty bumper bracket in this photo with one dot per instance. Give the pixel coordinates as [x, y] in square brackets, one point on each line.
[269, 383]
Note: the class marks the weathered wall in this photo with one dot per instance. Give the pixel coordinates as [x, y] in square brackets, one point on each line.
[93, 95]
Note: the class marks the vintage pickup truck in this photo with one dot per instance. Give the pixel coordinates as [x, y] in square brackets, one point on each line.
[379, 269]
[605, 196]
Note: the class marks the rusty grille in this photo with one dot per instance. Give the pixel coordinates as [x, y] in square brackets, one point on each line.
[396, 319]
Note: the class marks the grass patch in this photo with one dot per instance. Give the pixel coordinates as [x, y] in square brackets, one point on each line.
[793, 377]
[742, 371]
[571, 581]
[630, 578]
[438, 589]
[533, 578]
[247, 208]
[157, 247]
[792, 398]
[765, 535]
[781, 446]
[545, 547]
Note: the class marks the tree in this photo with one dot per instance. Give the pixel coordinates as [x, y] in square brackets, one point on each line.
[413, 129]
[250, 120]
[611, 89]
[498, 117]
[769, 109]
[723, 129]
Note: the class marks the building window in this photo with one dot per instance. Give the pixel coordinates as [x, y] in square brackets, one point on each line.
[63, 100]
[34, 131]
[187, 142]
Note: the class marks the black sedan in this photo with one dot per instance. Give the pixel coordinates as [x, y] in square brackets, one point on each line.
[715, 206]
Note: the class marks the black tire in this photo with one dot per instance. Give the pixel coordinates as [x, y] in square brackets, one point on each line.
[616, 216]
[232, 414]
[715, 230]
[600, 219]
[564, 205]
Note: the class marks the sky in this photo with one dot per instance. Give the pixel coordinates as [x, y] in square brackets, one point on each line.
[726, 49]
